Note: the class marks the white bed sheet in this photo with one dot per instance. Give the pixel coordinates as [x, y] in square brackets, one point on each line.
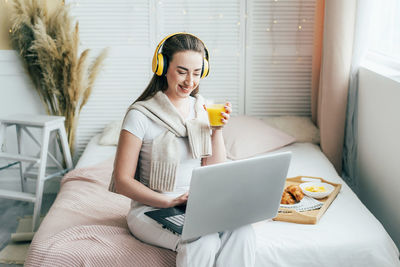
[347, 235]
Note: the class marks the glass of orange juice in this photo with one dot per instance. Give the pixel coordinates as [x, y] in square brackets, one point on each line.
[214, 114]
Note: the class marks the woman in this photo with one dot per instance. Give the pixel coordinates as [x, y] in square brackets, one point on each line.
[164, 136]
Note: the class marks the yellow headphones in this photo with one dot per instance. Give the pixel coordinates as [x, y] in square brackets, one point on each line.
[160, 63]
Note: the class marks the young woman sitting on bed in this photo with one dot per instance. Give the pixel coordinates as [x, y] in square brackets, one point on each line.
[165, 134]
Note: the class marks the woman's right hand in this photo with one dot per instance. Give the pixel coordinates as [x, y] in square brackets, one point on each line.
[182, 199]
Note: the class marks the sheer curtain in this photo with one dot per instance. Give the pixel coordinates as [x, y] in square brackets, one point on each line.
[360, 46]
[384, 28]
[377, 38]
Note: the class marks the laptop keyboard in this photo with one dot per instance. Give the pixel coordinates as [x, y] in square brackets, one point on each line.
[176, 219]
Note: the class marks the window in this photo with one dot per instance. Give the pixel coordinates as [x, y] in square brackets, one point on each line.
[384, 33]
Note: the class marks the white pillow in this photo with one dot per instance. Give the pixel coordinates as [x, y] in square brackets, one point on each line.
[246, 136]
[110, 134]
[301, 128]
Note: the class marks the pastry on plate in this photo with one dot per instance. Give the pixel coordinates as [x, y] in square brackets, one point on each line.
[287, 198]
[295, 191]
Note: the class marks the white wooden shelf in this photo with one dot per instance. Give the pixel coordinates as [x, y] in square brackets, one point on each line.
[17, 157]
[17, 195]
[50, 126]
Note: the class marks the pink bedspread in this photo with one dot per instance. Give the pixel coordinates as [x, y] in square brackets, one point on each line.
[86, 226]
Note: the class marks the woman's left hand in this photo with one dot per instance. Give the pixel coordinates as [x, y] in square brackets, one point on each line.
[225, 116]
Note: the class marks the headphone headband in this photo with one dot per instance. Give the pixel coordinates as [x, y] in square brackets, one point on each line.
[159, 63]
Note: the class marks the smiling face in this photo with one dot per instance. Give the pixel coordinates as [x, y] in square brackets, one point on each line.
[183, 74]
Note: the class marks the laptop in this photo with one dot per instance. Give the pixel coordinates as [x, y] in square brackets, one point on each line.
[228, 195]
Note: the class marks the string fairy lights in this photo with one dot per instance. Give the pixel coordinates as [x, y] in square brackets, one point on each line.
[270, 30]
[300, 19]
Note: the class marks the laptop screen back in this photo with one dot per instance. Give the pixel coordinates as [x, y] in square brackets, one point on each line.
[229, 195]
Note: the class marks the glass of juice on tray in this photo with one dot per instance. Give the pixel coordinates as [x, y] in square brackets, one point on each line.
[214, 111]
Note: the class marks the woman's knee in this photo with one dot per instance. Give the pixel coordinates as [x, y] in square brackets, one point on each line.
[245, 232]
[206, 245]
[201, 252]
[212, 241]
[152, 233]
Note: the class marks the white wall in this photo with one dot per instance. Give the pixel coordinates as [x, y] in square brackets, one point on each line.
[378, 148]
[17, 95]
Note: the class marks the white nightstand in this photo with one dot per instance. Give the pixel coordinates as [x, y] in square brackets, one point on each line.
[50, 126]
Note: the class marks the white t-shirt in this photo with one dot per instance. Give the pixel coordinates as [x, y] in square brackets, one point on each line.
[146, 130]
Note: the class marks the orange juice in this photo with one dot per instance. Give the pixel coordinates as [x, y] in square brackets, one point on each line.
[214, 114]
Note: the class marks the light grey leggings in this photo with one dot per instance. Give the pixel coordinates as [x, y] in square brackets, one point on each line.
[228, 248]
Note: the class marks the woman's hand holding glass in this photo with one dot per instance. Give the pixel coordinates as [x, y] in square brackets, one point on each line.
[218, 114]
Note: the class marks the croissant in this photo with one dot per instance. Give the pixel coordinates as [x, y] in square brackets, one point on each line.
[287, 198]
[295, 191]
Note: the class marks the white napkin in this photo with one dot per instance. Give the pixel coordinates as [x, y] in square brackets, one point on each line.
[307, 203]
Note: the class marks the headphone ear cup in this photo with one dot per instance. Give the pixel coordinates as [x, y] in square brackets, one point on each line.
[160, 65]
[154, 64]
[165, 65]
[206, 69]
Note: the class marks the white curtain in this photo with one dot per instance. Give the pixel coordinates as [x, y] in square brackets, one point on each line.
[385, 29]
[360, 46]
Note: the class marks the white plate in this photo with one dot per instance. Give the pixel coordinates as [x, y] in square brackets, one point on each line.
[328, 189]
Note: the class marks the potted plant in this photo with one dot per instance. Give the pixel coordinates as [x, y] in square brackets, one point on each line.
[48, 44]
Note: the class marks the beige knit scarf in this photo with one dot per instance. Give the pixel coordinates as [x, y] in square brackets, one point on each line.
[165, 148]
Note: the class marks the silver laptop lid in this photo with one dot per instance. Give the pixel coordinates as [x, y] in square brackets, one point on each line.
[232, 194]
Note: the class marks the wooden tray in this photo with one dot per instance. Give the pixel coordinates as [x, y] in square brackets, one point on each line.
[311, 216]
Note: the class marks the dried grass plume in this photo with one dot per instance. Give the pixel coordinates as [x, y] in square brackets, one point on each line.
[48, 44]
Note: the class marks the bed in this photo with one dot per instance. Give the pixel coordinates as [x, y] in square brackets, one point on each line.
[86, 225]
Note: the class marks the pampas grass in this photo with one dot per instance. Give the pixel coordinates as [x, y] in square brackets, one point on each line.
[48, 45]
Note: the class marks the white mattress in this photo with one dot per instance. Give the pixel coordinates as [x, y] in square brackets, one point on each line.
[347, 235]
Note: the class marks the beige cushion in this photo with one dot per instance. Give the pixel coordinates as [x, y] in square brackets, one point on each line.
[110, 134]
[301, 128]
[243, 127]
[245, 137]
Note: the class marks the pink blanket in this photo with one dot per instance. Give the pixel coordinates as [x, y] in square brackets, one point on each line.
[86, 226]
